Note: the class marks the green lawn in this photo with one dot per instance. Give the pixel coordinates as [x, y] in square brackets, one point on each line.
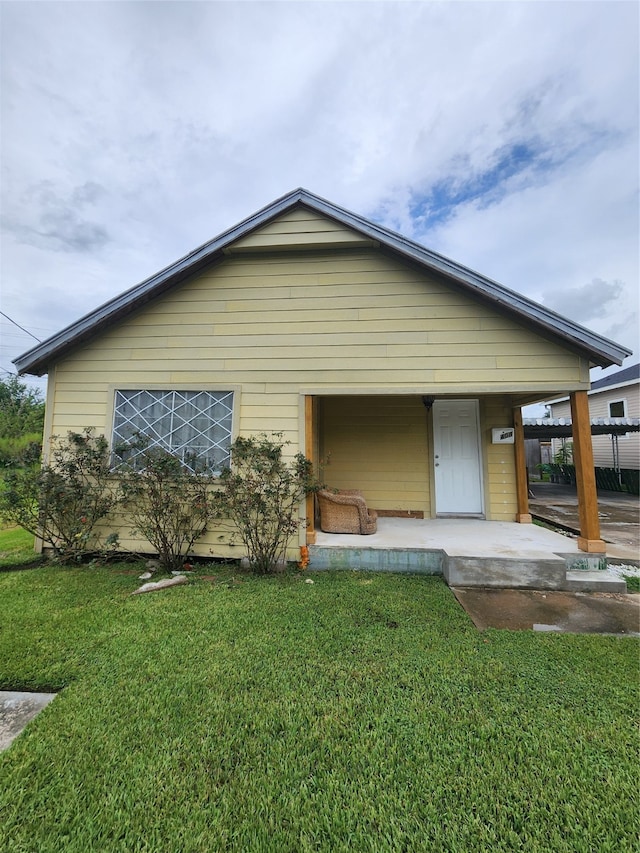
[16, 548]
[362, 712]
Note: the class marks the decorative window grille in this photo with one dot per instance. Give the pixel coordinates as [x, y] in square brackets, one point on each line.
[193, 425]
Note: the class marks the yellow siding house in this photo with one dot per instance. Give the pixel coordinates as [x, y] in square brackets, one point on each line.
[399, 372]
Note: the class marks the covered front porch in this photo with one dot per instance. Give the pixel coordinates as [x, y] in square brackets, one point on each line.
[468, 552]
[412, 464]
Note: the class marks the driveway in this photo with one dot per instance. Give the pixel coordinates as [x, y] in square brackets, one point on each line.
[619, 516]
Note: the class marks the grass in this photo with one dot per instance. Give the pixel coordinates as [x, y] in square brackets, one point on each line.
[362, 712]
[16, 548]
[633, 583]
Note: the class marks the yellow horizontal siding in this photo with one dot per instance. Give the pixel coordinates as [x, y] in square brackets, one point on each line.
[90, 410]
[377, 445]
[397, 342]
[499, 460]
[296, 340]
[286, 231]
[349, 319]
[260, 409]
[266, 424]
[315, 325]
[320, 303]
[469, 377]
[353, 366]
[302, 241]
[62, 424]
[552, 361]
[259, 354]
[216, 543]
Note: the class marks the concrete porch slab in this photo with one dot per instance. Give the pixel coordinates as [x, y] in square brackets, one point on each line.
[458, 537]
[467, 552]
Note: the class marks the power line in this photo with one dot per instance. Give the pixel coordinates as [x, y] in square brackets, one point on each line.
[6, 316]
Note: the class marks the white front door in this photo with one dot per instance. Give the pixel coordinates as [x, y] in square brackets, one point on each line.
[456, 448]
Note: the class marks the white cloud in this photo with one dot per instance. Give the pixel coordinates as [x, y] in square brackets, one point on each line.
[551, 239]
[134, 131]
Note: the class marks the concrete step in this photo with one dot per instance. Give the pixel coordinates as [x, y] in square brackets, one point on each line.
[537, 573]
[594, 581]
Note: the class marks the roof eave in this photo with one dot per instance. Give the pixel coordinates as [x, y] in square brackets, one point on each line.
[36, 361]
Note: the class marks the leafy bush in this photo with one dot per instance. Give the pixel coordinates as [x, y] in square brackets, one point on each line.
[260, 495]
[62, 502]
[166, 500]
[564, 454]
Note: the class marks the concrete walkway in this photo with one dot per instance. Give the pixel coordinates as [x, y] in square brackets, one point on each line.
[551, 610]
[16, 710]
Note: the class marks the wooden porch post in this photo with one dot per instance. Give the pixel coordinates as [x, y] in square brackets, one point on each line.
[522, 486]
[589, 539]
[308, 452]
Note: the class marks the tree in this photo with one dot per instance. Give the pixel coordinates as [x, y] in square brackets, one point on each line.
[21, 423]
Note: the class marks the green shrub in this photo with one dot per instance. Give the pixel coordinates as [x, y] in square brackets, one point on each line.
[62, 502]
[564, 454]
[260, 494]
[166, 500]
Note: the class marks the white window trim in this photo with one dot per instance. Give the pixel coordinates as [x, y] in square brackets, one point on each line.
[622, 400]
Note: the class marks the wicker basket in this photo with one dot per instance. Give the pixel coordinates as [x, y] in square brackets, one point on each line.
[346, 512]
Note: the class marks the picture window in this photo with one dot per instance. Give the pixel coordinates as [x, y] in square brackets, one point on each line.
[193, 425]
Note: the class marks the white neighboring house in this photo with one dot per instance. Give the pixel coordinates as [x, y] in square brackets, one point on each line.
[615, 396]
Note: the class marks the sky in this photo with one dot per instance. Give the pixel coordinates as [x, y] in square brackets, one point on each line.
[503, 135]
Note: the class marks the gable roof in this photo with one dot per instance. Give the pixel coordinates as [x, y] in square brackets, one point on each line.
[597, 349]
[629, 374]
